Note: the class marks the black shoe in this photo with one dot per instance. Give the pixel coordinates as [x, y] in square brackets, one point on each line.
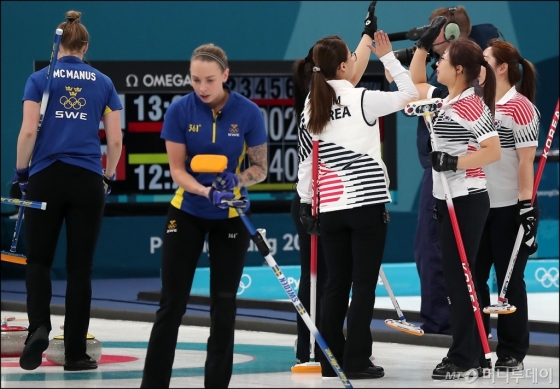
[370, 372]
[84, 363]
[32, 354]
[449, 371]
[508, 363]
[485, 369]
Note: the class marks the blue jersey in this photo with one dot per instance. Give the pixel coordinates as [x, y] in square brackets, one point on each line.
[79, 96]
[236, 127]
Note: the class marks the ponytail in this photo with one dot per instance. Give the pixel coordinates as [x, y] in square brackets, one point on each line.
[489, 91]
[528, 84]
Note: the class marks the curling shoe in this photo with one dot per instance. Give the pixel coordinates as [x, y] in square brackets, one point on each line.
[508, 363]
[84, 363]
[372, 371]
[449, 371]
[486, 367]
[32, 354]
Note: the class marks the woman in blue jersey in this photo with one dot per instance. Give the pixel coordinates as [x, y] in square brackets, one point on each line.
[510, 187]
[61, 165]
[212, 120]
[466, 141]
[353, 189]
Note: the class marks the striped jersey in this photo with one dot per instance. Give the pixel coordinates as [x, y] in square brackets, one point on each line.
[229, 132]
[351, 170]
[79, 97]
[459, 127]
[517, 121]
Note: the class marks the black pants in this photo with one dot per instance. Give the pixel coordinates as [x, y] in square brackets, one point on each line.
[304, 290]
[471, 211]
[353, 241]
[434, 307]
[183, 240]
[496, 247]
[76, 196]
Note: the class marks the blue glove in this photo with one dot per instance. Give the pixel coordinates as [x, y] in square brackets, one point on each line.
[226, 181]
[108, 183]
[21, 177]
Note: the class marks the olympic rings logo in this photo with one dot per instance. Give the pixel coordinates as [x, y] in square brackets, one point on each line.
[72, 102]
[547, 277]
[244, 283]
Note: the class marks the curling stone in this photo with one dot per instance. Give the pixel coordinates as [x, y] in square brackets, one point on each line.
[55, 351]
[13, 339]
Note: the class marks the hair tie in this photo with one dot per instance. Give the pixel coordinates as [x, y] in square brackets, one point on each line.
[211, 56]
[316, 69]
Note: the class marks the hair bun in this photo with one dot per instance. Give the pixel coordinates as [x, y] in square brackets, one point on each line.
[73, 16]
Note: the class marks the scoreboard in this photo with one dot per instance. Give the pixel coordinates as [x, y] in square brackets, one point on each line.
[147, 88]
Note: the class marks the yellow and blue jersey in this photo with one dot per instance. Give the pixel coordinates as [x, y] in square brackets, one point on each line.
[79, 97]
[230, 132]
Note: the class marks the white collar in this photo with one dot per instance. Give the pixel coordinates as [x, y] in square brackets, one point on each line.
[508, 96]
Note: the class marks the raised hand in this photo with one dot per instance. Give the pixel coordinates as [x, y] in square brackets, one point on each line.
[370, 22]
[382, 44]
[429, 36]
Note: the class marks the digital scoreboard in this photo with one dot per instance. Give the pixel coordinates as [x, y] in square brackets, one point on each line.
[147, 88]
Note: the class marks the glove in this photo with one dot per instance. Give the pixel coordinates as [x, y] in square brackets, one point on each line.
[108, 183]
[21, 177]
[370, 22]
[442, 161]
[226, 181]
[527, 217]
[429, 36]
[224, 200]
[310, 222]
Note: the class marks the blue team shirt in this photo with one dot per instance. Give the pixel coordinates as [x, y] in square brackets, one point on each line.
[79, 96]
[191, 122]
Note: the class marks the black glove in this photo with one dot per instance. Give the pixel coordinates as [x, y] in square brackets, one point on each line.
[370, 21]
[108, 183]
[310, 222]
[429, 36]
[442, 161]
[527, 217]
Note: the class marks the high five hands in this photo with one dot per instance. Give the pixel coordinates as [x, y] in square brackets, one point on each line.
[382, 44]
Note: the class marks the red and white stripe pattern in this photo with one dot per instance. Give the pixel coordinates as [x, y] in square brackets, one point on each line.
[459, 128]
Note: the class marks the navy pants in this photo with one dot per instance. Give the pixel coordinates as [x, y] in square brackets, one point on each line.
[434, 306]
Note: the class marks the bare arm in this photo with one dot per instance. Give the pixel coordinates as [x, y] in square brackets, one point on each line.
[177, 154]
[259, 166]
[112, 124]
[27, 133]
[525, 172]
[489, 152]
[362, 59]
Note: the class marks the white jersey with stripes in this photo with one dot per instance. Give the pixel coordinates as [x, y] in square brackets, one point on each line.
[517, 121]
[351, 171]
[459, 127]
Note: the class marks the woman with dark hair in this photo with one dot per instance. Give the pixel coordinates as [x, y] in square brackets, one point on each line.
[353, 189]
[467, 141]
[510, 186]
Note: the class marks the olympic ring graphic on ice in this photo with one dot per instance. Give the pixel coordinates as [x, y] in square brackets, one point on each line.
[72, 102]
[243, 285]
[547, 277]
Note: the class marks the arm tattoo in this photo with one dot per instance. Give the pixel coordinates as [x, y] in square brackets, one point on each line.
[259, 166]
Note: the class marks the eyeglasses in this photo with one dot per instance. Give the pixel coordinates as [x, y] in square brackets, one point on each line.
[353, 55]
[441, 59]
